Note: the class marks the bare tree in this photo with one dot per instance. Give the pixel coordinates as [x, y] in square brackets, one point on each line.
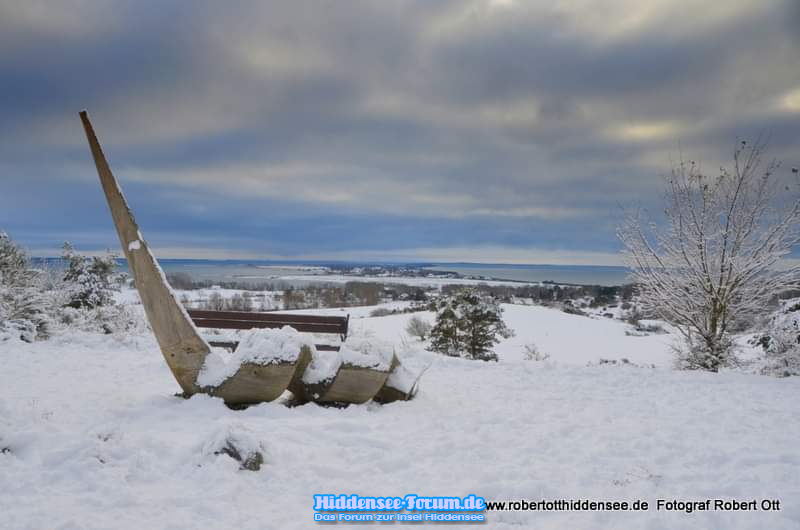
[716, 262]
[418, 327]
[240, 302]
[215, 302]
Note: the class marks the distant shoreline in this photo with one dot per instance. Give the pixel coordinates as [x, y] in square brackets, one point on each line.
[317, 270]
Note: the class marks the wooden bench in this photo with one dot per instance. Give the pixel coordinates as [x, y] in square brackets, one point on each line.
[247, 320]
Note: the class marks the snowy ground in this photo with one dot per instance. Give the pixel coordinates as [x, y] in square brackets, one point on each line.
[95, 437]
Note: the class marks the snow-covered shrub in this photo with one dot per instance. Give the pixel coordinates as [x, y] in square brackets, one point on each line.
[783, 356]
[532, 353]
[633, 317]
[381, 312]
[89, 282]
[651, 328]
[21, 328]
[469, 326]
[695, 353]
[572, 310]
[418, 327]
[642, 329]
[781, 342]
[23, 303]
[113, 319]
[85, 296]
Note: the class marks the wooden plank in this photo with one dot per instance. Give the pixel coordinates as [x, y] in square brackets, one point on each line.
[232, 345]
[267, 317]
[326, 347]
[249, 324]
[354, 384]
[254, 383]
[244, 320]
[227, 344]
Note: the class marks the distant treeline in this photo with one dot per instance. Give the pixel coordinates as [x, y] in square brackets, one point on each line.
[358, 293]
[312, 296]
[547, 293]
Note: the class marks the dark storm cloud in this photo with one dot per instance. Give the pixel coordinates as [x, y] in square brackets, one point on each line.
[366, 126]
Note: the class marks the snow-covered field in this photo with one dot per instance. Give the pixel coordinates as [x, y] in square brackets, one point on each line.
[95, 437]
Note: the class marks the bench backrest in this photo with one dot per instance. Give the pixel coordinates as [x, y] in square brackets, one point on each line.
[247, 320]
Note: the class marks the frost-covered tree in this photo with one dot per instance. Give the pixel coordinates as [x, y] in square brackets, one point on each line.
[714, 264]
[88, 280]
[468, 325]
[23, 303]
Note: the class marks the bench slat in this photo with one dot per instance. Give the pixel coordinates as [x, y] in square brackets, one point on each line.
[266, 317]
[245, 320]
[232, 345]
[249, 324]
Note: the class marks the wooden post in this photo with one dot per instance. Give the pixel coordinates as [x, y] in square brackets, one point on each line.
[183, 347]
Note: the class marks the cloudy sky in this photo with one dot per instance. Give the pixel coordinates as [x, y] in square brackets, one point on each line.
[493, 131]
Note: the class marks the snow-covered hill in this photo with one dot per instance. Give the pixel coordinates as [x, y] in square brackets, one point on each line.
[95, 438]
